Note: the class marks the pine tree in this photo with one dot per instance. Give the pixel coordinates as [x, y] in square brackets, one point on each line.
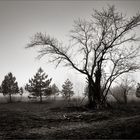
[9, 86]
[39, 84]
[67, 91]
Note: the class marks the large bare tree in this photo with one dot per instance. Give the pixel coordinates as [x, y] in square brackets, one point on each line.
[102, 49]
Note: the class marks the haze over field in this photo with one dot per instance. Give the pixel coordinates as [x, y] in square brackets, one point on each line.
[20, 20]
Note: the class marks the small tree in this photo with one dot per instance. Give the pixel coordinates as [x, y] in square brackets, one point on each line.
[39, 84]
[21, 92]
[67, 91]
[120, 92]
[9, 86]
[55, 90]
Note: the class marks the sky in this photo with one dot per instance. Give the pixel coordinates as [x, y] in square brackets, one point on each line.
[20, 20]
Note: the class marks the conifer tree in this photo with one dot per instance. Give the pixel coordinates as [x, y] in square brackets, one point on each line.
[9, 86]
[67, 91]
[39, 84]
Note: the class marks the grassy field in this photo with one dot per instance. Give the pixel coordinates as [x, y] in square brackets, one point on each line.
[57, 120]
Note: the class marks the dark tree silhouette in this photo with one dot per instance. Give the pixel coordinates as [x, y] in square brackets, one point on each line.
[9, 85]
[102, 49]
[39, 84]
[67, 89]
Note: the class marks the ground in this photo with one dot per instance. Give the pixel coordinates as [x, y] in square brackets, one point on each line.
[54, 120]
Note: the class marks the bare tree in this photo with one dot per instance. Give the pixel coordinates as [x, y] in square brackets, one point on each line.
[123, 89]
[102, 49]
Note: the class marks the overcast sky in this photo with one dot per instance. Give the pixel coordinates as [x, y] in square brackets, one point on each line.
[20, 20]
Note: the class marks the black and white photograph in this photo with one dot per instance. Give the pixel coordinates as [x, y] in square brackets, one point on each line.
[69, 69]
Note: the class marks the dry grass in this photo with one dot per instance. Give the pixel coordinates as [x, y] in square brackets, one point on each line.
[57, 120]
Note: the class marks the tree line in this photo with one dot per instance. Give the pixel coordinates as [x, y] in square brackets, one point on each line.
[38, 86]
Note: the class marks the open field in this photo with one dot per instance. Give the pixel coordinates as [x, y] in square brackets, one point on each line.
[51, 120]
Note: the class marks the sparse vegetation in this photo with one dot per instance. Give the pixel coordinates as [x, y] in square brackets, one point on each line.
[54, 120]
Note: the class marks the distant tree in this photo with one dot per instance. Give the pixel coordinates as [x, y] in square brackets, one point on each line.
[21, 92]
[122, 90]
[67, 91]
[39, 84]
[138, 90]
[55, 90]
[9, 86]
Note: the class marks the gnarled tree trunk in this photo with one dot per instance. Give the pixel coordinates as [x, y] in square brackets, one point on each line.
[95, 96]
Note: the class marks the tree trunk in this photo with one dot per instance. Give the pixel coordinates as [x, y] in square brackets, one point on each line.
[95, 94]
[91, 98]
